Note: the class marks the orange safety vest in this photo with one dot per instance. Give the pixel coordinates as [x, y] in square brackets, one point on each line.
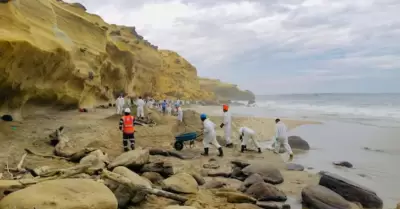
[128, 127]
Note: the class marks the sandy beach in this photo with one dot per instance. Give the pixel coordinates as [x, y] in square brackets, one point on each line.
[99, 129]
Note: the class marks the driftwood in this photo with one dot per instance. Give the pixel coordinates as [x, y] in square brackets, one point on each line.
[19, 166]
[44, 155]
[61, 174]
[125, 181]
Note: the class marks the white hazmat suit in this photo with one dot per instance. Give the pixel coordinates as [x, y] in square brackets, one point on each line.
[140, 107]
[210, 136]
[248, 135]
[281, 138]
[119, 103]
[180, 114]
[227, 127]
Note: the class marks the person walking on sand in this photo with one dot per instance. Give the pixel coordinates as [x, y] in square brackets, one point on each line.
[140, 107]
[164, 107]
[281, 138]
[119, 103]
[210, 136]
[126, 125]
[169, 109]
[227, 125]
[180, 112]
[247, 135]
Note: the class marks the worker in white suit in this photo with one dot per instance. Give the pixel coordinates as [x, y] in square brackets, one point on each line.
[247, 135]
[227, 125]
[180, 112]
[282, 138]
[140, 107]
[119, 103]
[210, 136]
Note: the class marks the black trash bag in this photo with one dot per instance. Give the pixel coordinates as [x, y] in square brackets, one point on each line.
[7, 118]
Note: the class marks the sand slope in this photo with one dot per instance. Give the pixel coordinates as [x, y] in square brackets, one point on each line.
[49, 49]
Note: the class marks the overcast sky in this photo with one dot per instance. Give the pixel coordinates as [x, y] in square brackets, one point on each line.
[274, 46]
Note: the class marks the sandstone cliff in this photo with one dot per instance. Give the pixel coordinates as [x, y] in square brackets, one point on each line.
[52, 52]
[225, 91]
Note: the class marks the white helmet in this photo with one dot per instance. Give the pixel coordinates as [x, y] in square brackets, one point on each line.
[127, 110]
[241, 130]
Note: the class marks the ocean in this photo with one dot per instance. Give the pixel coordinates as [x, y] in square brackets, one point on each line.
[363, 129]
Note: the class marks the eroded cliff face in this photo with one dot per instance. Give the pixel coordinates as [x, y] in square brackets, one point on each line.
[225, 91]
[55, 53]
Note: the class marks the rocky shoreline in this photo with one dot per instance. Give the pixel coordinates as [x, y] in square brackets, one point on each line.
[89, 171]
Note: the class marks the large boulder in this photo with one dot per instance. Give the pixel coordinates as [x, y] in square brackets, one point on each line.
[236, 197]
[134, 159]
[294, 167]
[62, 194]
[165, 169]
[254, 178]
[97, 159]
[126, 195]
[296, 142]
[319, 197]
[132, 176]
[270, 174]
[214, 184]
[154, 177]
[181, 183]
[350, 191]
[266, 192]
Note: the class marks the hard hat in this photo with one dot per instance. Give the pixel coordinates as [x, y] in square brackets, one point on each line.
[225, 107]
[241, 130]
[203, 116]
[127, 110]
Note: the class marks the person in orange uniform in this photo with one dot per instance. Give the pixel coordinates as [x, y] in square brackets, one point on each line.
[126, 125]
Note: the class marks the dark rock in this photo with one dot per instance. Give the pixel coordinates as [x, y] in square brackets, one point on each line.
[350, 190]
[165, 169]
[154, 177]
[266, 192]
[343, 164]
[115, 33]
[219, 174]
[272, 205]
[254, 178]
[297, 142]
[214, 184]
[319, 197]
[4, 1]
[238, 174]
[7, 118]
[294, 167]
[270, 174]
[240, 163]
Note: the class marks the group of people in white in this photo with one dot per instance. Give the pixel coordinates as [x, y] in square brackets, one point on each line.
[164, 106]
[246, 135]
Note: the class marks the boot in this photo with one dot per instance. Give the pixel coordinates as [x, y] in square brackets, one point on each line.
[259, 150]
[205, 152]
[229, 145]
[243, 148]
[290, 157]
[126, 149]
[221, 153]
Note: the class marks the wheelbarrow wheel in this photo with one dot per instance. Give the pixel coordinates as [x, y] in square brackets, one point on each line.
[178, 146]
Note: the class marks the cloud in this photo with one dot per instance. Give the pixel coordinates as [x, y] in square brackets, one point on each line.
[295, 45]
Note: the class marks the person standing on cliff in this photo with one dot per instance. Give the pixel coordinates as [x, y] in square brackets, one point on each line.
[126, 125]
[227, 124]
[282, 138]
[140, 107]
[119, 103]
[210, 136]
